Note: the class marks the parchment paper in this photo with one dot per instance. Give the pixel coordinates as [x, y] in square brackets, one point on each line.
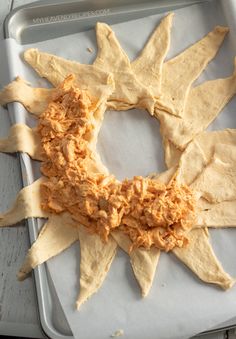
[179, 305]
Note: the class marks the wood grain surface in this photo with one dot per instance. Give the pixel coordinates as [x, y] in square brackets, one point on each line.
[18, 305]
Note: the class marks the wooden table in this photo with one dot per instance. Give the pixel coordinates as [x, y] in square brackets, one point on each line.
[18, 304]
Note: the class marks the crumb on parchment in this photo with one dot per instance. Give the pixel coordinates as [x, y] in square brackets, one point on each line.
[117, 333]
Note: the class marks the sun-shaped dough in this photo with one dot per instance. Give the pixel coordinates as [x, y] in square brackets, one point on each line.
[116, 83]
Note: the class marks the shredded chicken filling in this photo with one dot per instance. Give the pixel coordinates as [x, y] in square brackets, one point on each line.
[150, 212]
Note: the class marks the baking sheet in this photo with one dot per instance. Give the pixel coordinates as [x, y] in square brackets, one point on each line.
[178, 305]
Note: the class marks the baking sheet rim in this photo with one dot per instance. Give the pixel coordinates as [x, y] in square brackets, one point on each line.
[40, 273]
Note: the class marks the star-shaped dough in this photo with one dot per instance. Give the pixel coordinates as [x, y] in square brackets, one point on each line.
[116, 83]
[55, 237]
[200, 258]
[202, 149]
[57, 69]
[221, 214]
[180, 72]
[221, 171]
[148, 65]
[133, 79]
[129, 91]
[57, 234]
[203, 104]
[174, 96]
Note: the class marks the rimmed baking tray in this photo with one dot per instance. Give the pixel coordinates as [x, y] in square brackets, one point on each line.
[46, 20]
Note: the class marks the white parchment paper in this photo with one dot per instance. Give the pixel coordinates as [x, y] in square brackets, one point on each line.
[179, 305]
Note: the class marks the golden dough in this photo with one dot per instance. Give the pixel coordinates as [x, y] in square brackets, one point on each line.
[129, 91]
[217, 182]
[27, 205]
[180, 72]
[194, 159]
[57, 234]
[96, 163]
[112, 77]
[165, 177]
[55, 69]
[199, 255]
[95, 261]
[148, 65]
[22, 139]
[191, 163]
[200, 152]
[172, 154]
[142, 261]
[203, 104]
[200, 258]
[35, 100]
[216, 215]
[60, 231]
[208, 140]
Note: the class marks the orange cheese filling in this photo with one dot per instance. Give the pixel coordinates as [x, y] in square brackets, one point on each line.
[149, 212]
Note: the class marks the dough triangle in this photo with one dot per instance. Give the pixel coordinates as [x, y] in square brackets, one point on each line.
[171, 153]
[191, 163]
[142, 261]
[200, 258]
[22, 139]
[99, 83]
[95, 261]
[129, 92]
[148, 65]
[35, 100]
[180, 72]
[216, 215]
[217, 182]
[200, 152]
[203, 104]
[57, 234]
[27, 205]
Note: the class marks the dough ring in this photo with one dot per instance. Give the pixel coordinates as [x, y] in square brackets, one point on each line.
[116, 83]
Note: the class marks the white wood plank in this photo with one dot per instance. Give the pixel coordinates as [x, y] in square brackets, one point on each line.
[17, 299]
[20, 330]
[216, 335]
[18, 307]
[232, 334]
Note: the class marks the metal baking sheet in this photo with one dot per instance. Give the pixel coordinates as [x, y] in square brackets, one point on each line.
[42, 21]
[45, 20]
